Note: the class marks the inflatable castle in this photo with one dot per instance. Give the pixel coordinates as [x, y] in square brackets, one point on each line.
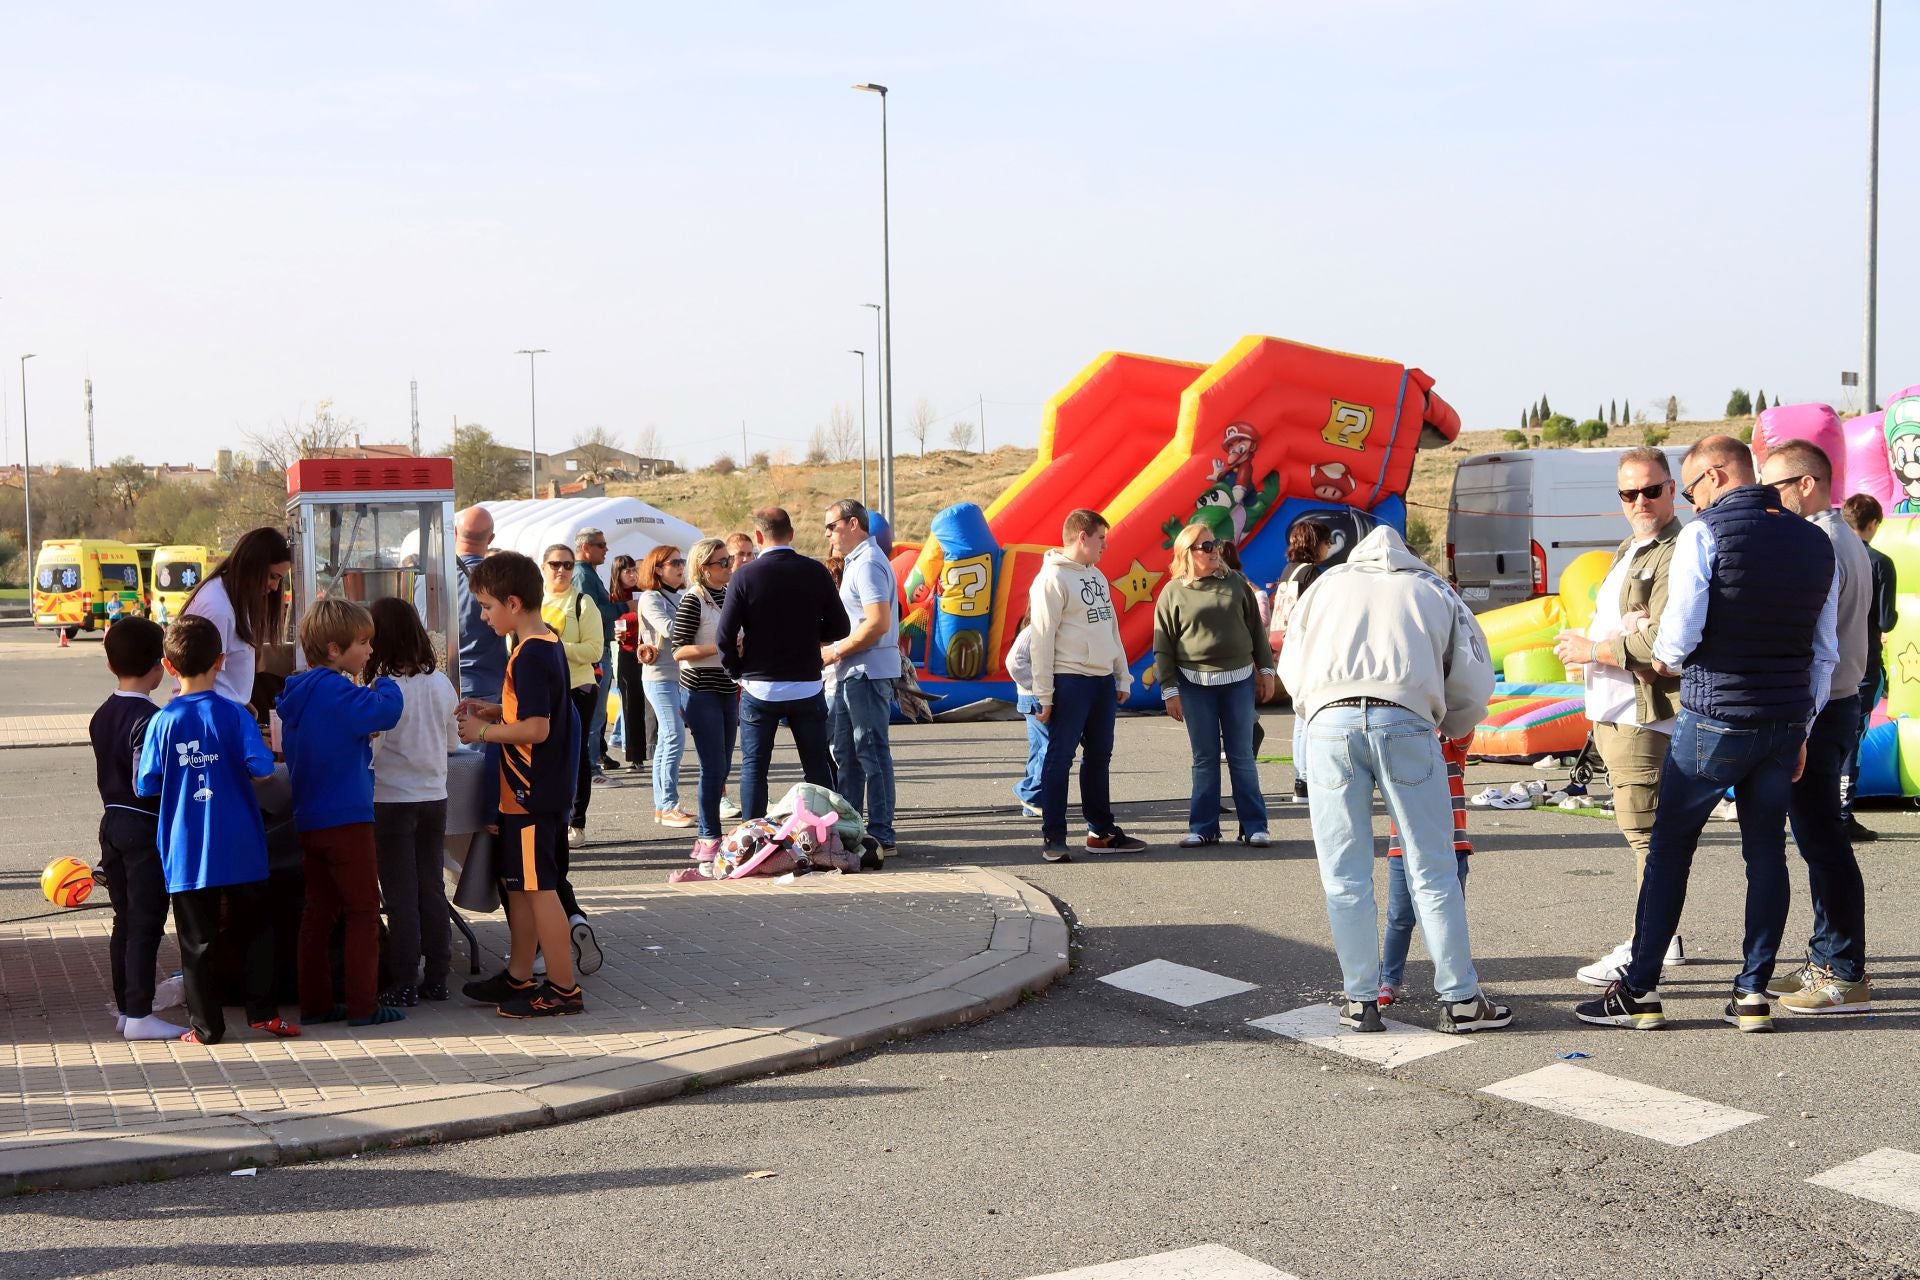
[1272, 433]
[1535, 710]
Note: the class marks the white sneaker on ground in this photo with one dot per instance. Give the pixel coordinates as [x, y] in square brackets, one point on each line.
[1611, 967]
[576, 836]
[1676, 953]
[151, 1027]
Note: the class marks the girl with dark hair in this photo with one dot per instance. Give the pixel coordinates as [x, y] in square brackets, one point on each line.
[244, 597]
[410, 805]
[636, 713]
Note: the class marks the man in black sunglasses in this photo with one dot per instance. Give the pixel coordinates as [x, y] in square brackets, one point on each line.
[1630, 707]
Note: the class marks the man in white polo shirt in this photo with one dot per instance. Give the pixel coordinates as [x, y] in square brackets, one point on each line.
[1630, 707]
[866, 664]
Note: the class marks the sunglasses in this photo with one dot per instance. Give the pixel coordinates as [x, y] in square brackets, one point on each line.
[1783, 483]
[835, 524]
[559, 564]
[1687, 491]
[1207, 545]
[1651, 493]
[718, 562]
[678, 562]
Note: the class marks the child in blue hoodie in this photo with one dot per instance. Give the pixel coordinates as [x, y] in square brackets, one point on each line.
[200, 756]
[327, 723]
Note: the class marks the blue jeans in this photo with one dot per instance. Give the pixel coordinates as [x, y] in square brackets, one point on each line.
[1756, 759]
[1348, 751]
[1814, 812]
[666, 695]
[1083, 713]
[1221, 718]
[1393, 946]
[806, 719]
[862, 755]
[1028, 788]
[596, 732]
[713, 719]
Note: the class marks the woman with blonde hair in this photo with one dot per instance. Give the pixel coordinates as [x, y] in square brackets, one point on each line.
[713, 699]
[1214, 665]
[663, 579]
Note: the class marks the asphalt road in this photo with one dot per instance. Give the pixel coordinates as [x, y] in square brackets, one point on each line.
[1095, 1124]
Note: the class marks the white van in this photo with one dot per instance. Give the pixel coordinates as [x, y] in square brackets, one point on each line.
[1518, 519]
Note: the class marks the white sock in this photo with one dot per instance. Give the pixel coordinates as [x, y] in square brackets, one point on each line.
[119, 1021]
[152, 1027]
[576, 919]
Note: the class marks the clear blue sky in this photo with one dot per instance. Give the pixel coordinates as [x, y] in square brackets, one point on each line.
[227, 215]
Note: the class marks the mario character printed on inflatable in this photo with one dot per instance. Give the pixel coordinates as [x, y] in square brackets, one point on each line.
[1272, 433]
[1903, 453]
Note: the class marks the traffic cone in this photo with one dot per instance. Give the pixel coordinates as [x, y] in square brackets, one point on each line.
[63, 639]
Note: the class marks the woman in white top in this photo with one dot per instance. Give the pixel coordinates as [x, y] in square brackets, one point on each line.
[245, 597]
[663, 576]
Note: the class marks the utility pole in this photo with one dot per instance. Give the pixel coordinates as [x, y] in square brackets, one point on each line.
[1871, 365]
[87, 386]
[533, 421]
[983, 423]
[414, 386]
[743, 444]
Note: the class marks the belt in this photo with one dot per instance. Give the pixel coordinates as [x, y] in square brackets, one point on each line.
[1361, 702]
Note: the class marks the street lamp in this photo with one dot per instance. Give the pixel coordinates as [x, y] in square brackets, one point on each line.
[26, 474]
[1870, 367]
[863, 422]
[886, 298]
[533, 414]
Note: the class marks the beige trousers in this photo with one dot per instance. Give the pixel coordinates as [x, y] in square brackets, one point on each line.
[1633, 756]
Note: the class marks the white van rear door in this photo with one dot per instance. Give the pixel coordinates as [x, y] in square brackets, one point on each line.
[1489, 527]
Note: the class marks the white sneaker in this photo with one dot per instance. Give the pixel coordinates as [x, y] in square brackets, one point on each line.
[1676, 953]
[1725, 811]
[1611, 967]
[1485, 798]
[1511, 800]
[1531, 787]
[576, 836]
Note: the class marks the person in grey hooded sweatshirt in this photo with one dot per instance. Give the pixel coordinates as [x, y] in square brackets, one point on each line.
[1380, 653]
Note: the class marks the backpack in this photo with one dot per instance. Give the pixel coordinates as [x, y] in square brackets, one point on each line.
[1286, 594]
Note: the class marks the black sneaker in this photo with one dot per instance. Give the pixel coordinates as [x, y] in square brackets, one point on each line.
[1052, 852]
[500, 986]
[1620, 1007]
[400, 997]
[1361, 1015]
[1749, 1012]
[434, 990]
[1857, 833]
[586, 949]
[1114, 841]
[1477, 1014]
[1299, 790]
[544, 1001]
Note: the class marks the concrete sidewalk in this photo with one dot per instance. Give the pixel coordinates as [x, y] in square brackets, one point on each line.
[703, 983]
[43, 731]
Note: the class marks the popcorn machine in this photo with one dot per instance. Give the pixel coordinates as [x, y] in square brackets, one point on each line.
[363, 528]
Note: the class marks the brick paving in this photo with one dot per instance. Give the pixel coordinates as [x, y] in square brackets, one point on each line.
[43, 731]
[688, 967]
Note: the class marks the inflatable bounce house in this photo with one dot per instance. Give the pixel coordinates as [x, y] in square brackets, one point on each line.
[1270, 434]
[1536, 711]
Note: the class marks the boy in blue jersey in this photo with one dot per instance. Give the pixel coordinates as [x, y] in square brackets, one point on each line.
[200, 756]
[327, 722]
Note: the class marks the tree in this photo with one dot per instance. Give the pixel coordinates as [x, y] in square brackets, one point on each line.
[760, 461]
[1739, 404]
[1592, 431]
[1559, 430]
[843, 434]
[724, 465]
[1759, 402]
[648, 444]
[127, 481]
[1613, 412]
[1653, 437]
[1525, 414]
[1515, 439]
[1533, 418]
[732, 500]
[1599, 415]
[921, 423]
[960, 434]
[484, 470]
[599, 451]
[1673, 410]
[280, 447]
[817, 446]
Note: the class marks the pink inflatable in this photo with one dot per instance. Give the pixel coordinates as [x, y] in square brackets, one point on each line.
[1817, 424]
[1867, 471]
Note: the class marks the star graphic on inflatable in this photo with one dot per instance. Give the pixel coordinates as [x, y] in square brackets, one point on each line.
[1910, 663]
[1136, 587]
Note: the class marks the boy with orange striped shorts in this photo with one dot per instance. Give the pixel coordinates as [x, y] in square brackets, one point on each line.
[534, 728]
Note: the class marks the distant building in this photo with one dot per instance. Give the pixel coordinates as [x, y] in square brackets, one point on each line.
[359, 450]
[599, 462]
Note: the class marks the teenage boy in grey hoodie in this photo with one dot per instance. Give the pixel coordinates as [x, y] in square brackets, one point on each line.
[1080, 678]
[1380, 653]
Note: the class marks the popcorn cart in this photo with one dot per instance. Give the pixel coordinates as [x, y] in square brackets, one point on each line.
[363, 528]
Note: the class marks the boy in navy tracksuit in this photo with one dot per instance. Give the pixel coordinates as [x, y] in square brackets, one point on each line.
[130, 826]
[327, 723]
[200, 756]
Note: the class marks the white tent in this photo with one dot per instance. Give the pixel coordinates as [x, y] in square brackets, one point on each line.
[633, 528]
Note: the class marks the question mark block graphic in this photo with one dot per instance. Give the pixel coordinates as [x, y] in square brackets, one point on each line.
[1348, 425]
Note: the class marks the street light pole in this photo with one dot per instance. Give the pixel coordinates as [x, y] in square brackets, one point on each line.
[886, 299]
[26, 474]
[863, 422]
[1869, 369]
[533, 416]
[878, 343]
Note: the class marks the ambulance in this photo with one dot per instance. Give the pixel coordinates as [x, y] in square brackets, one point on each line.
[177, 570]
[82, 584]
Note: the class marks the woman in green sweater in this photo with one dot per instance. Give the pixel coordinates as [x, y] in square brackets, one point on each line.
[1215, 666]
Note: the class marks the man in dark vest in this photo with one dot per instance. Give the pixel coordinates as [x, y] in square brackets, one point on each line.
[1750, 624]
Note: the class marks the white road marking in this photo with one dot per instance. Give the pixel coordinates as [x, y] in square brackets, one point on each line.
[1203, 1262]
[1626, 1105]
[1176, 983]
[1319, 1026]
[1885, 1176]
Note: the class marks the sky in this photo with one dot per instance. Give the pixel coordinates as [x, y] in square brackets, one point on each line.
[228, 214]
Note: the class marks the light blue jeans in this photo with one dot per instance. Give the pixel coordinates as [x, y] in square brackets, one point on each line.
[1221, 718]
[1348, 752]
[665, 695]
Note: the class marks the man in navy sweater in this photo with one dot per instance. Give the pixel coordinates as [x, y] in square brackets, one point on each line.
[781, 610]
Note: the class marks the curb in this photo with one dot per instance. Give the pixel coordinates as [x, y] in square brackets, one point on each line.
[45, 742]
[1027, 953]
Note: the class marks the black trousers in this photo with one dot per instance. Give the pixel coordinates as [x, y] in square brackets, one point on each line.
[410, 841]
[636, 713]
[137, 888]
[196, 917]
[583, 699]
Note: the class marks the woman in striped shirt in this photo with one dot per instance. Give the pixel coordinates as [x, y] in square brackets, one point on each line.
[713, 699]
